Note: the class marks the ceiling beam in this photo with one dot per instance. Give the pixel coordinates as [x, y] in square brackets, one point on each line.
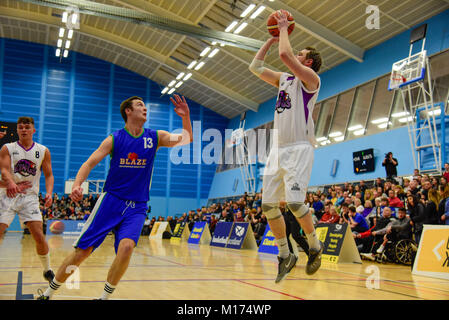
[320, 32]
[135, 47]
[148, 19]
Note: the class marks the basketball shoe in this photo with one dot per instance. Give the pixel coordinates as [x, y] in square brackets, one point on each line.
[285, 265]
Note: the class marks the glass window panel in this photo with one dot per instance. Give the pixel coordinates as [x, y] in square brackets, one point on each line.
[360, 110]
[341, 114]
[316, 112]
[440, 75]
[324, 120]
[381, 106]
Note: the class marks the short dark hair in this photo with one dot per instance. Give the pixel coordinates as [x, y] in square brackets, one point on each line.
[402, 209]
[128, 104]
[352, 208]
[25, 120]
[316, 57]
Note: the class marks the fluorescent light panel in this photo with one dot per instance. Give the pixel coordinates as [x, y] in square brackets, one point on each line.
[70, 34]
[240, 28]
[214, 52]
[205, 51]
[164, 90]
[187, 76]
[192, 64]
[257, 12]
[248, 10]
[171, 91]
[179, 76]
[231, 26]
[199, 65]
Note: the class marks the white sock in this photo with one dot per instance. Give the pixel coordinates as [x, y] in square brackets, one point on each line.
[313, 240]
[54, 285]
[108, 290]
[45, 261]
[283, 247]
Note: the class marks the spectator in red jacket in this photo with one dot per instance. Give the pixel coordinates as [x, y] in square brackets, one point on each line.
[331, 216]
[394, 201]
[446, 171]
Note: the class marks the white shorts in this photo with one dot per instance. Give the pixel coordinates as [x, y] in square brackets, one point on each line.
[26, 206]
[287, 173]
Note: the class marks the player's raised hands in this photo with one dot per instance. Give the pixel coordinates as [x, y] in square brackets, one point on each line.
[181, 106]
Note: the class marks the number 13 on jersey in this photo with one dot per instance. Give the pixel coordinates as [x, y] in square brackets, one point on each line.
[148, 143]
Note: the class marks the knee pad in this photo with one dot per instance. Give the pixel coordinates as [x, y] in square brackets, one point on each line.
[299, 209]
[271, 211]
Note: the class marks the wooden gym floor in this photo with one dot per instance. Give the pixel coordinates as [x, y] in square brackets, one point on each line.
[161, 270]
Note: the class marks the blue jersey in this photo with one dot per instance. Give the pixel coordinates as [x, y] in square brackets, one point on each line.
[131, 167]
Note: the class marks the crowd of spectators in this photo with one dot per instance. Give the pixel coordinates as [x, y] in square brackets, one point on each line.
[64, 208]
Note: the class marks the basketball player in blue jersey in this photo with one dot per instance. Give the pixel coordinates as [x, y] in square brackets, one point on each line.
[289, 164]
[123, 204]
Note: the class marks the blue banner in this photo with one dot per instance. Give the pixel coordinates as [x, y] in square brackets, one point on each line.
[238, 234]
[65, 227]
[268, 243]
[197, 232]
[221, 234]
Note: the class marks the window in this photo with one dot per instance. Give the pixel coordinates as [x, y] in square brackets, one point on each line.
[324, 119]
[341, 115]
[360, 110]
[380, 109]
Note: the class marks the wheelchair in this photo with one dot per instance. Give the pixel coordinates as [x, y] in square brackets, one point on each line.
[402, 252]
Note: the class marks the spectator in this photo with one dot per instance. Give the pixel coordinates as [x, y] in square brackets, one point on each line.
[397, 230]
[446, 171]
[356, 221]
[367, 208]
[416, 212]
[318, 206]
[393, 200]
[373, 241]
[443, 182]
[238, 217]
[431, 206]
[413, 187]
[390, 165]
[368, 195]
[426, 186]
[330, 215]
[344, 213]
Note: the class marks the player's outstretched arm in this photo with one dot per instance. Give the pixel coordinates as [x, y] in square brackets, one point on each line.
[103, 150]
[305, 74]
[167, 139]
[256, 66]
[49, 178]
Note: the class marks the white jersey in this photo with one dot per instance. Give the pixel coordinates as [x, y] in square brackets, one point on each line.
[26, 164]
[293, 114]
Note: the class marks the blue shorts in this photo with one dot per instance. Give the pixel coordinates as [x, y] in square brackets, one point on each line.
[125, 218]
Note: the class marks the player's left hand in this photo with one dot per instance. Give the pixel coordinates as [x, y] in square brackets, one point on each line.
[281, 19]
[48, 200]
[181, 106]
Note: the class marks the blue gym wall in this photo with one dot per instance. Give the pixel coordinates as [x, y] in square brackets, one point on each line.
[75, 103]
[377, 62]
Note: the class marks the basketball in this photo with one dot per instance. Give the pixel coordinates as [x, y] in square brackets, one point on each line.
[57, 227]
[272, 24]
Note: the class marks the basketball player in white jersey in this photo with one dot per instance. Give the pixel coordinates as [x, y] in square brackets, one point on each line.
[290, 161]
[20, 162]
